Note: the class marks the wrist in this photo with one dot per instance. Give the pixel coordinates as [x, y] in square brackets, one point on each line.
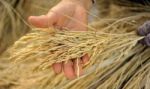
[85, 3]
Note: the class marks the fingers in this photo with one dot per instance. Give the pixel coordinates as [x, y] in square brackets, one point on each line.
[78, 67]
[72, 68]
[85, 58]
[43, 21]
[57, 67]
[68, 69]
[144, 29]
[146, 40]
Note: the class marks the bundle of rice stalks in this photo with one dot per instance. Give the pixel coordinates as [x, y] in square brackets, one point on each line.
[116, 61]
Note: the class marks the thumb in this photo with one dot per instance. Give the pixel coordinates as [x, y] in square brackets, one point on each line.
[42, 21]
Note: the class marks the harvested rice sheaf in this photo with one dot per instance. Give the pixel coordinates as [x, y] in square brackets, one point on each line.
[116, 61]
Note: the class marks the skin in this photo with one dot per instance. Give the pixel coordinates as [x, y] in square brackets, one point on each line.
[57, 17]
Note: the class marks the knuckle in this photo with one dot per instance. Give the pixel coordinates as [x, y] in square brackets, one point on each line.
[146, 40]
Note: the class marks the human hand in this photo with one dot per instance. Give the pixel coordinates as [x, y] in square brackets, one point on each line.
[144, 30]
[71, 14]
[59, 17]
